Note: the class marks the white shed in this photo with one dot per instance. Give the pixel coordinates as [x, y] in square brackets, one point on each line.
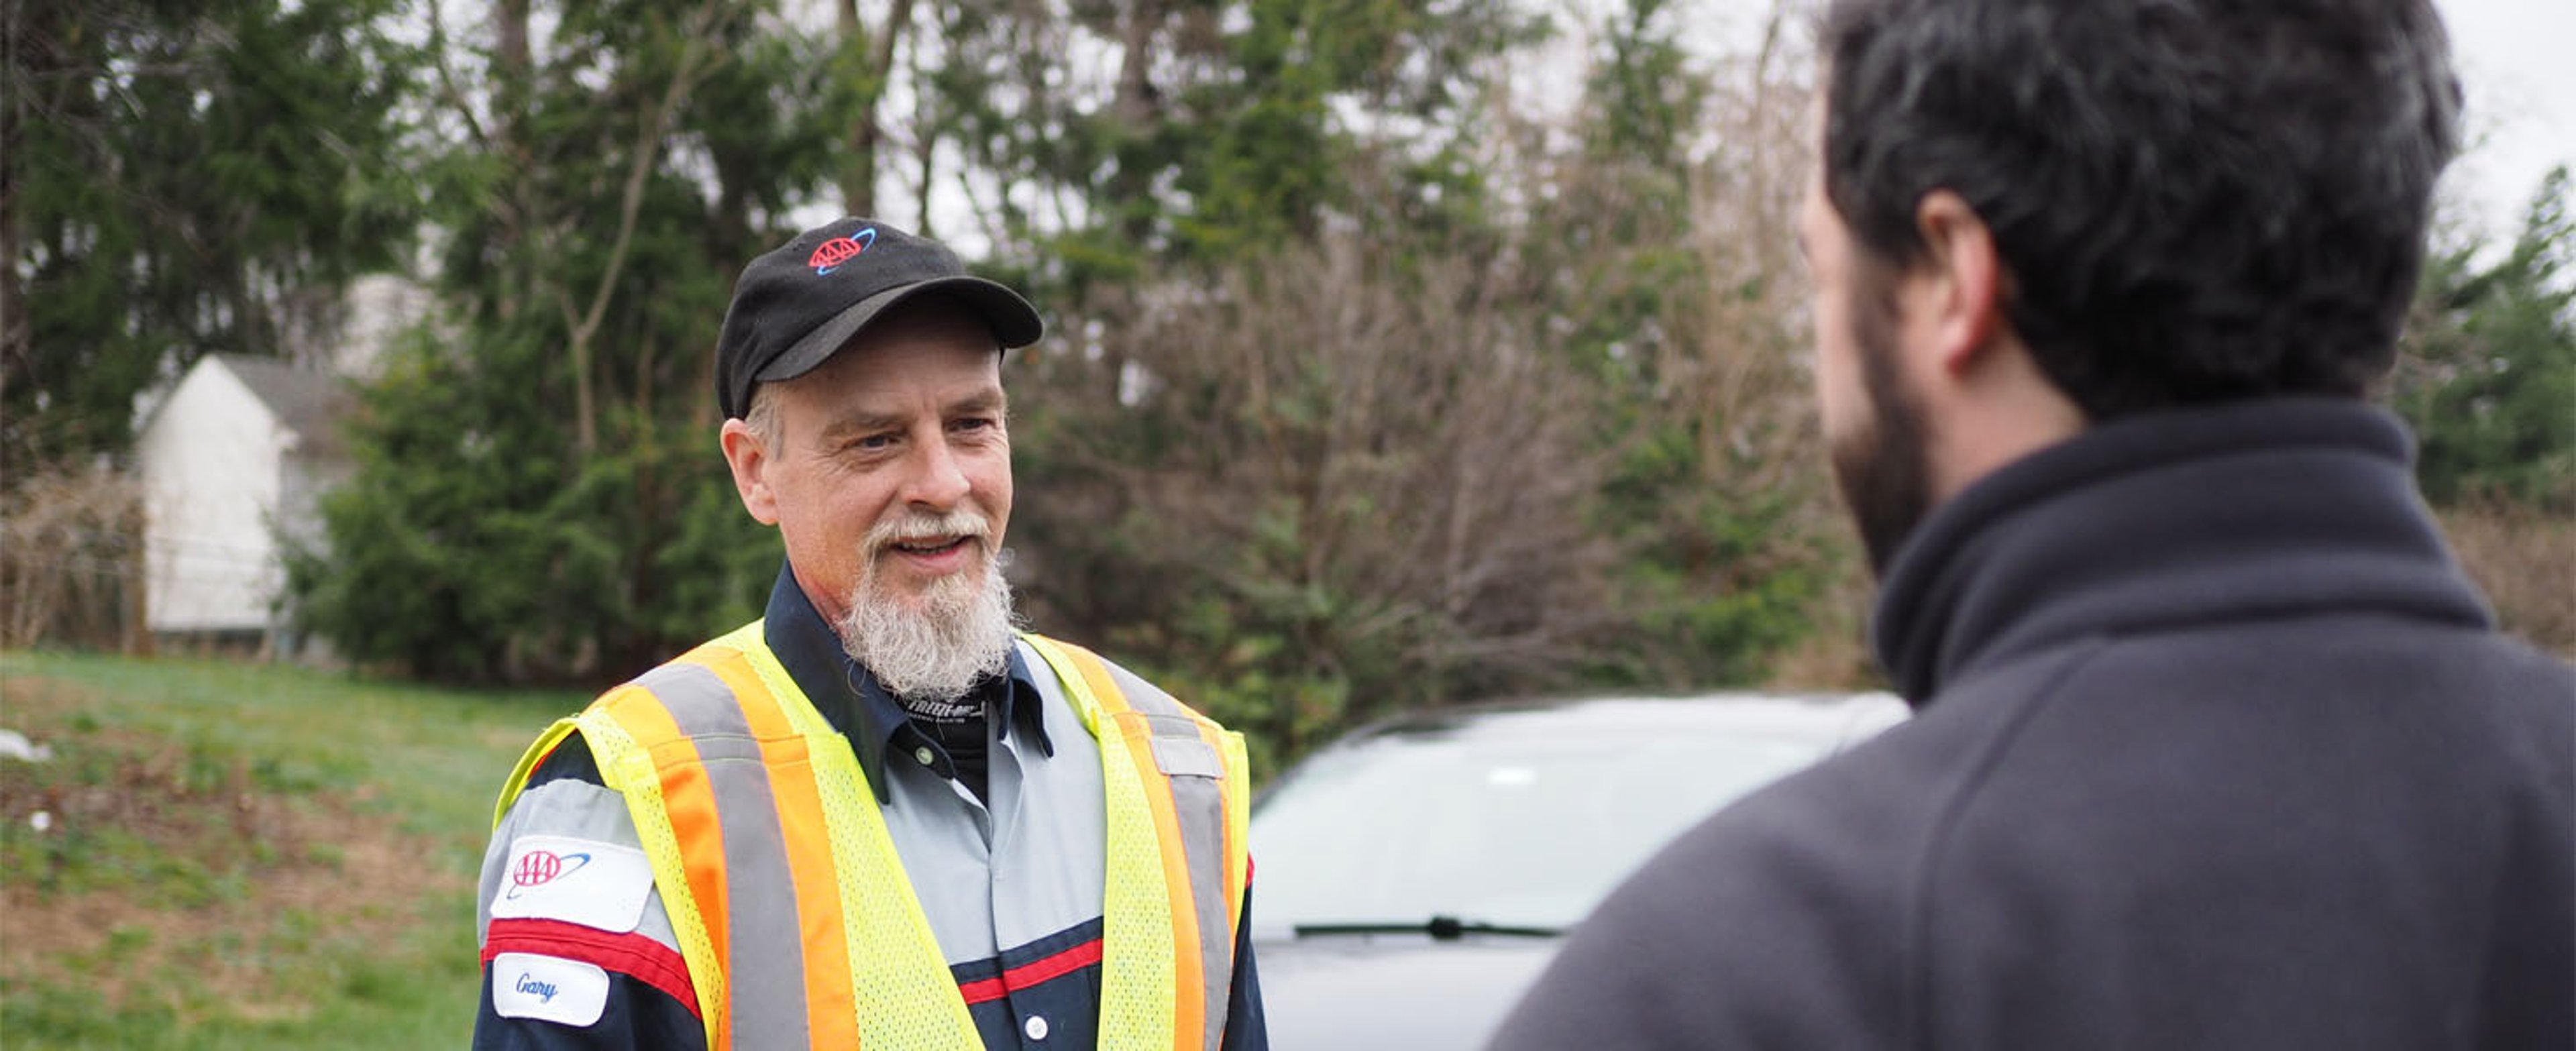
[233, 459]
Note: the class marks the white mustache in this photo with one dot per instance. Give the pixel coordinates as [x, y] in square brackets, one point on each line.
[958, 629]
[914, 528]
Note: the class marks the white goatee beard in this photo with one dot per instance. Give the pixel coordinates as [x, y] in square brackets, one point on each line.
[960, 632]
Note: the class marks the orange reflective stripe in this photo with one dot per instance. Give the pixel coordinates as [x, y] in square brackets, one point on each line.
[1214, 735]
[723, 734]
[1189, 978]
[691, 803]
[1194, 773]
[831, 1010]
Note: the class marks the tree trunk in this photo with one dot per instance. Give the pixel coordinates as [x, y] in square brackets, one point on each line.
[1137, 104]
[511, 61]
[17, 329]
[867, 132]
[513, 66]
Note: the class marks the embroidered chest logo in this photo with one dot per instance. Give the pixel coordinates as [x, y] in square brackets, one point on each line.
[537, 868]
[829, 255]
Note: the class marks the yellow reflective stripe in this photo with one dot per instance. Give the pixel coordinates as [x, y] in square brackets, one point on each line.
[1238, 829]
[1229, 847]
[803, 717]
[1077, 690]
[1189, 979]
[753, 768]
[1205, 842]
[1190, 771]
[626, 768]
[1191, 774]
[904, 995]
[1153, 988]
[528, 760]
[1138, 987]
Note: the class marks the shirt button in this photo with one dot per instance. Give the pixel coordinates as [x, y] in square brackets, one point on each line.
[922, 753]
[1037, 1028]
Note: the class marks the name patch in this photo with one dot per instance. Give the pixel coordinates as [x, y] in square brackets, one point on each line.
[598, 885]
[548, 988]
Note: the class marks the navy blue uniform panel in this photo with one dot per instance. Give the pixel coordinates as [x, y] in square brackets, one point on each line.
[1245, 1028]
[637, 1016]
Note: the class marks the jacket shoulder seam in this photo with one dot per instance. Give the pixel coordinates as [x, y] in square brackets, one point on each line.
[1917, 975]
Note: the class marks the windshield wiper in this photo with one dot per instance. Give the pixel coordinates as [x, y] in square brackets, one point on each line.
[1440, 928]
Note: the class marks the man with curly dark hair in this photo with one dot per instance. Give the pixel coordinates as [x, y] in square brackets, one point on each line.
[2214, 745]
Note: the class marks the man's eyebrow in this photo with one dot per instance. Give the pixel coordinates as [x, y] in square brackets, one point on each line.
[858, 423]
[987, 401]
[861, 422]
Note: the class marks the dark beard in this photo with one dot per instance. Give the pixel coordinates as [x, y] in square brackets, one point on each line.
[1884, 470]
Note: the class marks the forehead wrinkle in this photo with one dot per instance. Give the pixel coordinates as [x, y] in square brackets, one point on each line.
[989, 399]
[860, 419]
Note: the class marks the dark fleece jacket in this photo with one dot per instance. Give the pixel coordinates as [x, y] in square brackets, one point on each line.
[2215, 748]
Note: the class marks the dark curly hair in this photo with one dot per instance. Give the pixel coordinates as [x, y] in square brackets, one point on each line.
[2196, 200]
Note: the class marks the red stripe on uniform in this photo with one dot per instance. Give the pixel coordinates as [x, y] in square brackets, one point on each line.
[1032, 973]
[632, 955]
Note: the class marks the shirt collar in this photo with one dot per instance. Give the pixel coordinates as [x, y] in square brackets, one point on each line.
[858, 707]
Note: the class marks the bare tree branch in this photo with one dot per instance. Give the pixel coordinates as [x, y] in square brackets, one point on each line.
[447, 89]
[696, 61]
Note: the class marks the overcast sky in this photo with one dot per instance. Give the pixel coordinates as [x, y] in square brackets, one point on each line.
[2521, 82]
[2514, 59]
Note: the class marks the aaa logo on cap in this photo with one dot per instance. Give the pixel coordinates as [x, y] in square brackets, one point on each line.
[829, 255]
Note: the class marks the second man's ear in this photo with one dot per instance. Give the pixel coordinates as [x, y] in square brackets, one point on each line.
[1967, 275]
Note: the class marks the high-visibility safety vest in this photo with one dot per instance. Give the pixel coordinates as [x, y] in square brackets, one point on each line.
[763, 834]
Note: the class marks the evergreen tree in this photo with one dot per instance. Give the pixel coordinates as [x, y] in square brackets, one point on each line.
[2488, 379]
[178, 179]
[538, 495]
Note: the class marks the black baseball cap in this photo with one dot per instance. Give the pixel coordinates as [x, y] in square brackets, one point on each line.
[803, 300]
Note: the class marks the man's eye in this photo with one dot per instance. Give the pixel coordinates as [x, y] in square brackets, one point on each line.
[873, 441]
[973, 423]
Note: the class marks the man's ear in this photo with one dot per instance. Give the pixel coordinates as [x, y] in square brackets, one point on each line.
[750, 459]
[1963, 298]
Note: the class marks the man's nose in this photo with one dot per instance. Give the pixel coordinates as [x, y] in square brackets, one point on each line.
[937, 481]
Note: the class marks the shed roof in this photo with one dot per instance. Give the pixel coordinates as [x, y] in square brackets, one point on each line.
[311, 404]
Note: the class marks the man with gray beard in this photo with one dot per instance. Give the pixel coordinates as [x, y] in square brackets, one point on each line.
[881, 814]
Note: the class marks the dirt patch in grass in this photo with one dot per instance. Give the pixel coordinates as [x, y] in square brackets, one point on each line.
[174, 872]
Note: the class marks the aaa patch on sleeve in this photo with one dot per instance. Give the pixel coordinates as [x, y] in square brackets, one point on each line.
[597, 885]
[548, 988]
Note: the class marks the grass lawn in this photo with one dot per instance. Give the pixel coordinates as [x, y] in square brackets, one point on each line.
[244, 856]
